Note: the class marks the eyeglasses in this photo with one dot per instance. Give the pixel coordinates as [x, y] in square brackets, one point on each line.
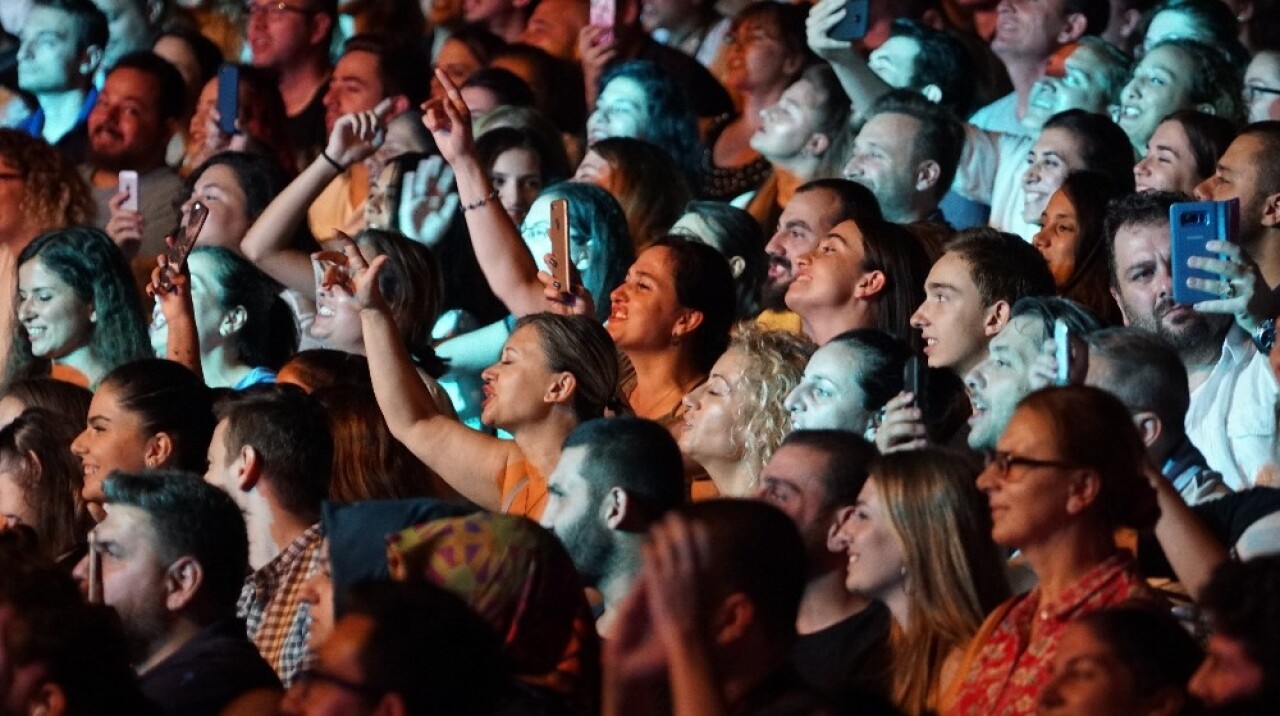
[1251, 92]
[1003, 462]
[275, 9]
[309, 677]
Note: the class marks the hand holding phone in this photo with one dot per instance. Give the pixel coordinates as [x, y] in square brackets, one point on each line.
[181, 246]
[1192, 224]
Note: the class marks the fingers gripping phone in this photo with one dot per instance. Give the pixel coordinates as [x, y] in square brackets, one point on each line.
[560, 242]
[228, 98]
[1191, 225]
[853, 26]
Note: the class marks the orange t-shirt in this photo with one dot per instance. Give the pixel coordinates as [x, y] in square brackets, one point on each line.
[523, 488]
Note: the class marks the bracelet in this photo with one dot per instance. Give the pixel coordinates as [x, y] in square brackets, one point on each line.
[493, 195]
[332, 161]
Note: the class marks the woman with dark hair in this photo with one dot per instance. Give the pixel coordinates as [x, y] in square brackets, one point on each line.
[766, 52]
[244, 331]
[1212, 22]
[638, 99]
[520, 164]
[236, 187]
[1074, 244]
[78, 310]
[66, 401]
[1066, 474]
[1127, 660]
[648, 184]
[40, 483]
[863, 274]
[735, 234]
[147, 414]
[468, 49]
[1179, 74]
[1183, 151]
[1073, 140]
[194, 55]
[261, 124]
[847, 382]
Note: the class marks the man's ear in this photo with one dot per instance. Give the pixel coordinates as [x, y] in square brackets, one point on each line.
[158, 450]
[1271, 210]
[834, 542]
[399, 105]
[996, 319]
[89, 60]
[561, 389]
[1073, 28]
[1207, 108]
[932, 92]
[182, 582]
[49, 700]
[618, 514]
[927, 174]
[320, 25]
[732, 619]
[248, 468]
[1084, 491]
[1149, 426]
[737, 265]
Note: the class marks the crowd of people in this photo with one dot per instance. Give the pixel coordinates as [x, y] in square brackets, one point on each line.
[885, 375]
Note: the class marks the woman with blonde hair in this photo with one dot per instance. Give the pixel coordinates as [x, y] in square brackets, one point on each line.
[736, 419]
[919, 540]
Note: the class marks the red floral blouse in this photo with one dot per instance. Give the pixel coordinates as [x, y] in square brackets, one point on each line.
[1014, 663]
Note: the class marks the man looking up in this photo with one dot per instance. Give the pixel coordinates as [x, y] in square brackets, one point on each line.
[272, 452]
[174, 553]
[616, 476]
[132, 26]
[842, 645]
[129, 128]
[62, 46]
[292, 39]
[1231, 417]
[907, 153]
[814, 209]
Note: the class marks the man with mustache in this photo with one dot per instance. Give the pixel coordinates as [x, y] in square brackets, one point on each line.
[814, 209]
[129, 128]
[1232, 417]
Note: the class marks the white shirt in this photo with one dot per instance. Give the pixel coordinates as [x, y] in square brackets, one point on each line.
[1232, 417]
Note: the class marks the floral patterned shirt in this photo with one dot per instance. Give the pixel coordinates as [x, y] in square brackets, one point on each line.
[1015, 661]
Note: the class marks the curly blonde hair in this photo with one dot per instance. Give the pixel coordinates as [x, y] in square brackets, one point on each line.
[55, 196]
[774, 364]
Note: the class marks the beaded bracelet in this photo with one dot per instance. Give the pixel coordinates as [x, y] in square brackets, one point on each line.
[493, 195]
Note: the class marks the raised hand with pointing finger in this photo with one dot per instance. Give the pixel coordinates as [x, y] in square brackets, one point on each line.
[356, 136]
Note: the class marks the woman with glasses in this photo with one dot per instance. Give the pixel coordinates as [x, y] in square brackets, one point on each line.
[919, 540]
[1067, 473]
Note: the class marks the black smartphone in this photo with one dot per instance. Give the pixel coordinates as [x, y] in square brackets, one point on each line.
[228, 97]
[913, 378]
[1192, 224]
[853, 26]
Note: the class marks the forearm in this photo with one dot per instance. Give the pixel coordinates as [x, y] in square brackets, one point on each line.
[402, 398]
[862, 85]
[506, 262]
[269, 241]
[1192, 550]
[183, 342]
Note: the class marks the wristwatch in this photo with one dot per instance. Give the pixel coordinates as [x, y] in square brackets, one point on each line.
[1264, 336]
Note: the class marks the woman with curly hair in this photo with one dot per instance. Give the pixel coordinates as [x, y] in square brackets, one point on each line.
[736, 419]
[39, 190]
[78, 310]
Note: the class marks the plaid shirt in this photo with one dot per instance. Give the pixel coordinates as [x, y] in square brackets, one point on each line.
[271, 605]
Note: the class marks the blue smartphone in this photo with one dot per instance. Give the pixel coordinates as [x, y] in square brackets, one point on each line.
[1192, 224]
[853, 26]
[228, 97]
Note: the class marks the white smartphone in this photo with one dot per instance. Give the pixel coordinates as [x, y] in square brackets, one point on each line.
[129, 184]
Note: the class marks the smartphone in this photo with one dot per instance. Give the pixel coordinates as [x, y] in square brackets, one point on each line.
[128, 183]
[559, 233]
[913, 373]
[183, 244]
[1191, 225]
[228, 97]
[853, 26]
[1061, 352]
[604, 14]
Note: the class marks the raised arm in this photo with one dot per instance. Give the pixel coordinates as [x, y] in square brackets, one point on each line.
[862, 85]
[1192, 550]
[468, 460]
[505, 260]
[172, 290]
[269, 242]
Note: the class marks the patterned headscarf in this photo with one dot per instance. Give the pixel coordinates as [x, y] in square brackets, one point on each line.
[519, 578]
